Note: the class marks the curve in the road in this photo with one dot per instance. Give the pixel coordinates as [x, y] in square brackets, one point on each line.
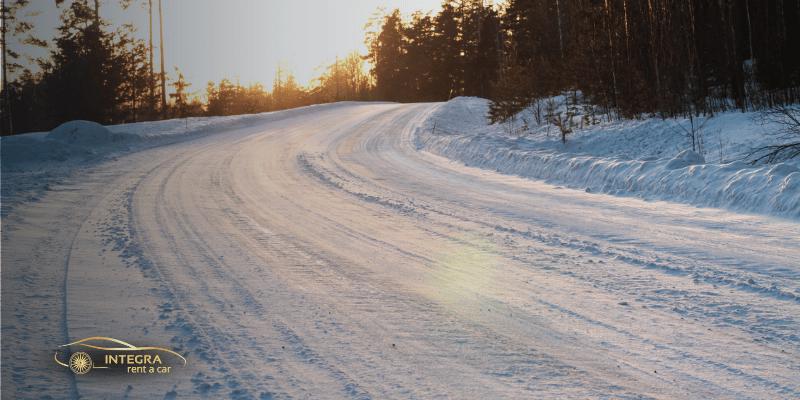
[324, 256]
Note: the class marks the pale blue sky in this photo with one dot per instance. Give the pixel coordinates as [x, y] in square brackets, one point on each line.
[246, 39]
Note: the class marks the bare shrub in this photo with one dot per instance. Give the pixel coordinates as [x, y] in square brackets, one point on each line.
[787, 120]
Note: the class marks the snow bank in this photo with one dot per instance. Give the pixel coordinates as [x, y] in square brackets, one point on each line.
[650, 158]
[32, 162]
[685, 159]
[76, 142]
[84, 133]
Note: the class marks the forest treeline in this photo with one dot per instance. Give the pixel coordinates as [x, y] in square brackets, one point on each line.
[625, 58]
[106, 74]
[628, 57]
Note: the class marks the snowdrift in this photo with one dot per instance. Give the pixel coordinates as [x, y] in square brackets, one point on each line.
[33, 162]
[84, 133]
[651, 159]
[76, 142]
[73, 139]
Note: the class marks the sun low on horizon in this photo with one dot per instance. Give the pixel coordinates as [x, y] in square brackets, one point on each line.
[241, 40]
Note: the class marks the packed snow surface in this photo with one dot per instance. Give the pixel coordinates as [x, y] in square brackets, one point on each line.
[318, 254]
[32, 162]
[650, 158]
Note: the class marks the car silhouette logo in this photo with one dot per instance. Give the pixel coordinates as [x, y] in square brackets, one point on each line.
[100, 352]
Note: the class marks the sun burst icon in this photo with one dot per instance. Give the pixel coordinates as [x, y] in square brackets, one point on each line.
[80, 363]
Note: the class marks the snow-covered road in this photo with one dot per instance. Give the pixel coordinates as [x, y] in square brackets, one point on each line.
[323, 256]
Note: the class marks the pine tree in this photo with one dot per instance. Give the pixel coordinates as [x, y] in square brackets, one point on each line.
[17, 27]
[130, 69]
[385, 54]
[449, 71]
[82, 58]
[489, 51]
[419, 53]
[179, 97]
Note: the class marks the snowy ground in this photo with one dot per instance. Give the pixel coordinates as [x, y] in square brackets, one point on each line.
[32, 162]
[320, 254]
[650, 158]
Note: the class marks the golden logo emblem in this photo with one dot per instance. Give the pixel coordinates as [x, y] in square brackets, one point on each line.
[99, 352]
[80, 363]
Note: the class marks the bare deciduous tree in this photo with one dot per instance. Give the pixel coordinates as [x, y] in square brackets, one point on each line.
[787, 120]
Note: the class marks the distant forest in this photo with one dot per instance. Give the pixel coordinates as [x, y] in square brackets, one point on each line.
[627, 58]
[97, 73]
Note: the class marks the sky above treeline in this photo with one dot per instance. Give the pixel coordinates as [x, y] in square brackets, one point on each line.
[243, 40]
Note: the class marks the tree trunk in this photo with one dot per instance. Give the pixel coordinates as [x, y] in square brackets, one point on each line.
[152, 83]
[560, 32]
[336, 77]
[627, 33]
[654, 50]
[133, 96]
[612, 56]
[161, 50]
[737, 78]
[750, 33]
[7, 127]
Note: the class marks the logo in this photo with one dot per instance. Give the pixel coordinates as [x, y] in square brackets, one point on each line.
[80, 363]
[107, 353]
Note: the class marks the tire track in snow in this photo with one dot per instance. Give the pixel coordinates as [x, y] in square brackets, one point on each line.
[333, 237]
[190, 322]
[666, 263]
[333, 180]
